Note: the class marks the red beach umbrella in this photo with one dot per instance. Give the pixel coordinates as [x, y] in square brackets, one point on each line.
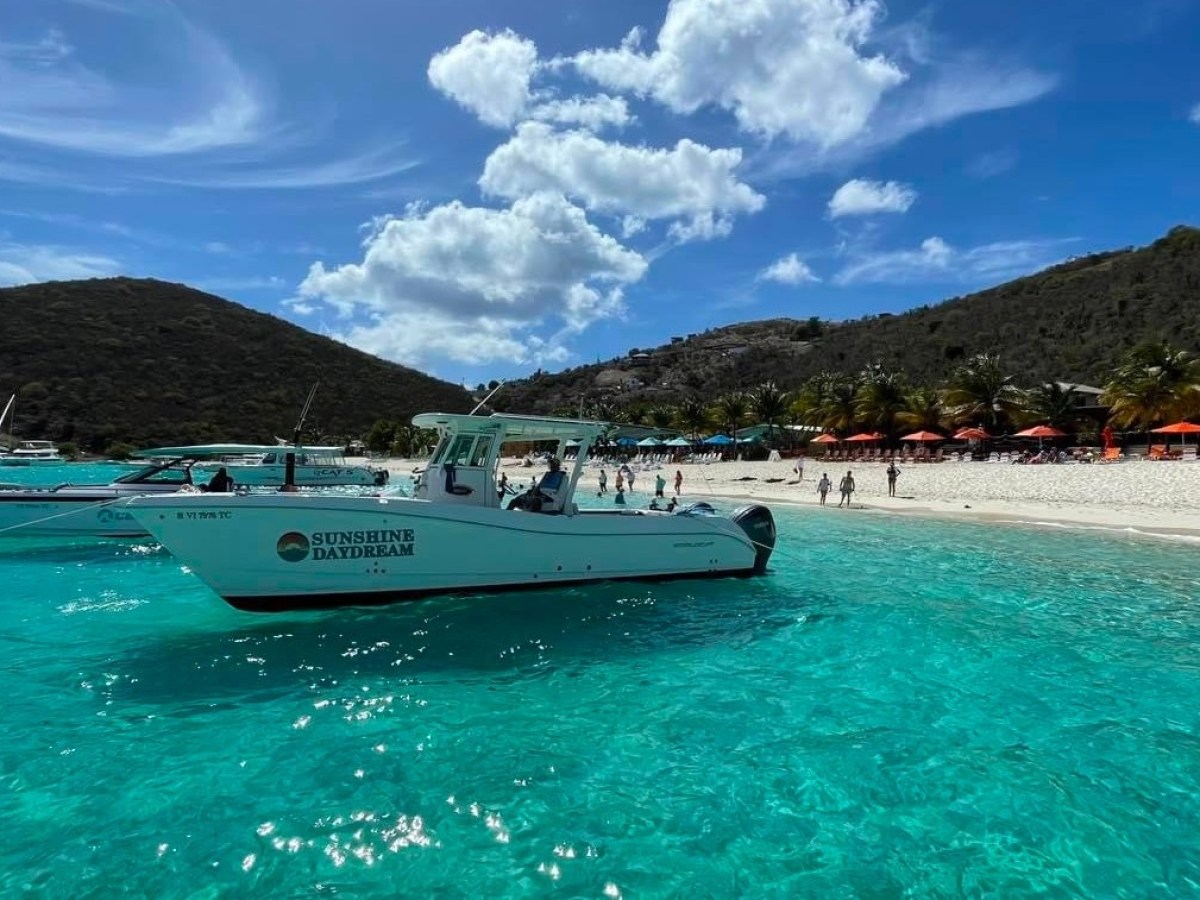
[924, 437]
[825, 439]
[1178, 428]
[864, 437]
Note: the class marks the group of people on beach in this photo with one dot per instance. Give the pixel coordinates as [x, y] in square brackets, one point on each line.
[626, 475]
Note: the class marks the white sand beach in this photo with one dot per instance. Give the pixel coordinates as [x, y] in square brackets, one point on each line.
[1155, 497]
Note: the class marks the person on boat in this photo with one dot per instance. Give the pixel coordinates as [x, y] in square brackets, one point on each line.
[220, 483]
[546, 495]
[671, 504]
[619, 499]
[502, 486]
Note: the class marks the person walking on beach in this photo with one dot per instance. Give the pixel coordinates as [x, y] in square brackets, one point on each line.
[823, 486]
[847, 489]
[799, 467]
[678, 481]
[603, 483]
[632, 475]
[659, 484]
[893, 472]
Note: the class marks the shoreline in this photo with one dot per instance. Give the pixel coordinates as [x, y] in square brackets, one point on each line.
[1157, 499]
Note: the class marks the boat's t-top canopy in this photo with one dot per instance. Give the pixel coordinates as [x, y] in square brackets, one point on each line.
[514, 428]
[210, 451]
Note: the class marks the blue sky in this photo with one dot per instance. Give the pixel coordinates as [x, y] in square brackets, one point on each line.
[479, 189]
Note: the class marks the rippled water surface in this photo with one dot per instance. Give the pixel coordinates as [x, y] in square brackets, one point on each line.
[901, 707]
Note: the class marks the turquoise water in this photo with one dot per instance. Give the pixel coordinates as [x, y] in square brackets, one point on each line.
[902, 707]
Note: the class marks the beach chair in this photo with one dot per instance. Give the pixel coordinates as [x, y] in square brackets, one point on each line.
[1111, 454]
[1157, 451]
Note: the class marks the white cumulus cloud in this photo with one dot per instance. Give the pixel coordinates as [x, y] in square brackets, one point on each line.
[790, 269]
[489, 74]
[689, 182]
[862, 197]
[593, 113]
[782, 67]
[937, 261]
[472, 283]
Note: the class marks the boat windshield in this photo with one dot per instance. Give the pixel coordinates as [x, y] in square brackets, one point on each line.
[173, 472]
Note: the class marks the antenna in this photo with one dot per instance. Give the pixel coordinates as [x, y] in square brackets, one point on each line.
[304, 414]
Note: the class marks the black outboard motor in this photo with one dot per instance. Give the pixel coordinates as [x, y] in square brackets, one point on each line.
[758, 523]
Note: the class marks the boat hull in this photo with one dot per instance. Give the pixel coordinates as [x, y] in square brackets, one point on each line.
[304, 551]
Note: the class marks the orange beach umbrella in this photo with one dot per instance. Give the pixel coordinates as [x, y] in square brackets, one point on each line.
[864, 437]
[1178, 428]
[825, 439]
[1041, 431]
[924, 437]
[971, 434]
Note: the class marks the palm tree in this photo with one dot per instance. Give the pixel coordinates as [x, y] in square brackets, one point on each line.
[769, 404]
[923, 410]
[979, 391]
[730, 410]
[1052, 403]
[692, 416]
[880, 398]
[1154, 383]
[660, 416]
[827, 401]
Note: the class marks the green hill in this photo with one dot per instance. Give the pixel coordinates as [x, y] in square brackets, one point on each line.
[148, 362]
[1068, 323]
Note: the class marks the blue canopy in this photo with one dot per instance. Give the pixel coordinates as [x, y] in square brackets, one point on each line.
[627, 442]
[718, 439]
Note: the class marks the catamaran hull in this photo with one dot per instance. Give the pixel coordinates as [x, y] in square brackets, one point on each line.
[267, 553]
[306, 476]
[58, 516]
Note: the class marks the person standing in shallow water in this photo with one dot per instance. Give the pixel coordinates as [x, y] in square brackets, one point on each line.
[893, 472]
[678, 482]
[603, 483]
[847, 489]
[659, 484]
[823, 487]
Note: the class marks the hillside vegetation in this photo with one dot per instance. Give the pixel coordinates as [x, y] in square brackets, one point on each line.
[148, 362]
[1072, 323]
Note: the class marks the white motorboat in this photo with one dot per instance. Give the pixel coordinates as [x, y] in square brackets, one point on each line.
[33, 453]
[457, 533]
[266, 466]
[87, 510]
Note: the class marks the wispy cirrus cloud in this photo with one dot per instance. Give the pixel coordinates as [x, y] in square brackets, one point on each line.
[936, 261]
[200, 100]
[370, 165]
[28, 263]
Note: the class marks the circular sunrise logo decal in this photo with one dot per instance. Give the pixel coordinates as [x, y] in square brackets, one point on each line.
[292, 546]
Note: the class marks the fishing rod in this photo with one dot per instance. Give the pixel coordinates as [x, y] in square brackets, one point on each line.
[304, 414]
[483, 402]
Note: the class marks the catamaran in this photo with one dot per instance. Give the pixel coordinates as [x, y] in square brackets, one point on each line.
[259, 466]
[457, 533]
[33, 453]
